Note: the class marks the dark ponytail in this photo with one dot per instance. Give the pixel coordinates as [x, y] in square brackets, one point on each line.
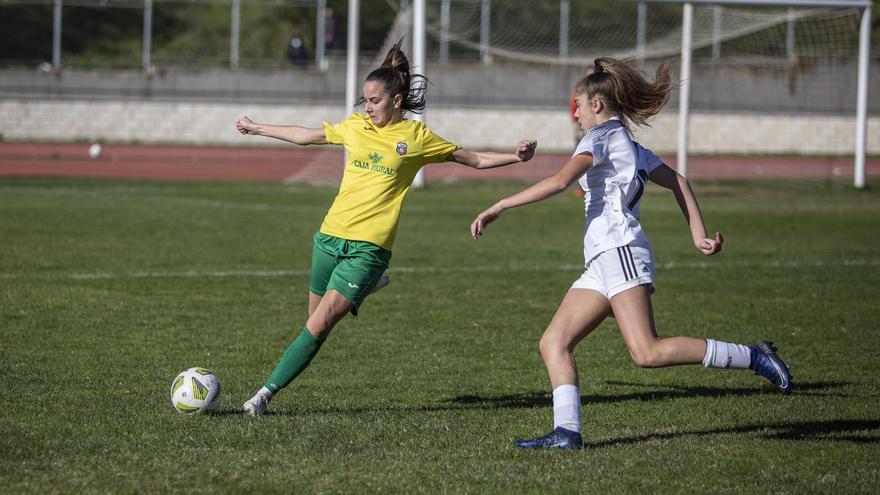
[394, 73]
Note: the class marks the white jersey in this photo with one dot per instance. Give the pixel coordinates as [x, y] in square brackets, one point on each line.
[614, 187]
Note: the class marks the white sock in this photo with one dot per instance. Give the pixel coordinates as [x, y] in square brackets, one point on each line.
[724, 355]
[567, 408]
[264, 393]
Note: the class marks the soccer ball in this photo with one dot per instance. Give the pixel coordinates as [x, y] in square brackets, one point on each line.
[195, 390]
[95, 150]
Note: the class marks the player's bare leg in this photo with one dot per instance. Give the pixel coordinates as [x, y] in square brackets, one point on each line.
[635, 317]
[581, 311]
[314, 301]
[332, 308]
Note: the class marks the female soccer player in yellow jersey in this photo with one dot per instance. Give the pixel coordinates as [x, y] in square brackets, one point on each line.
[352, 249]
[618, 276]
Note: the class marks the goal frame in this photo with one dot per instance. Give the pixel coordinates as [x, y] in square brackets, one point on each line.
[863, 70]
[419, 43]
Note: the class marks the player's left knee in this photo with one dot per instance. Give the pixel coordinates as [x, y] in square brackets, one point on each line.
[320, 324]
[646, 357]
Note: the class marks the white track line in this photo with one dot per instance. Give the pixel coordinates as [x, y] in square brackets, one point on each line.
[696, 265]
[318, 207]
[190, 274]
[125, 194]
[210, 203]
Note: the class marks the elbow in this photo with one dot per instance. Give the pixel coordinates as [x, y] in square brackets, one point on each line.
[560, 184]
[484, 162]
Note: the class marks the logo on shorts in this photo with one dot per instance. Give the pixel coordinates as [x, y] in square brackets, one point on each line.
[353, 286]
[401, 148]
[645, 268]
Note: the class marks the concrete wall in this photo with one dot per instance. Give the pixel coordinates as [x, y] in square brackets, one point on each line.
[741, 106]
[757, 85]
[211, 123]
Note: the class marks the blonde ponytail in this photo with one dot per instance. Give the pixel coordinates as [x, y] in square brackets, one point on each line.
[626, 92]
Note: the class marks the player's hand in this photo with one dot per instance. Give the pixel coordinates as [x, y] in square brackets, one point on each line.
[710, 246]
[245, 125]
[525, 149]
[483, 219]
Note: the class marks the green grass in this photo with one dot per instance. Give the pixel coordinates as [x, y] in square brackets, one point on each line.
[108, 289]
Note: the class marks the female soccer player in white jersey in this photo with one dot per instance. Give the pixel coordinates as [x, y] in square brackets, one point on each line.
[352, 249]
[619, 266]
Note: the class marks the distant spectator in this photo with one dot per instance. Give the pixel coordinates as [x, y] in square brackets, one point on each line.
[296, 52]
[331, 29]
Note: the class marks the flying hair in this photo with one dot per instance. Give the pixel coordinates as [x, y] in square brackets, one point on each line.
[395, 74]
[626, 92]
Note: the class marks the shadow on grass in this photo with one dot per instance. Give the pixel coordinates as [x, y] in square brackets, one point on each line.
[531, 400]
[657, 392]
[857, 431]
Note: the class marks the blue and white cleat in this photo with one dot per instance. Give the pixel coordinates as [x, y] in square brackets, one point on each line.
[560, 438]
[766, 363]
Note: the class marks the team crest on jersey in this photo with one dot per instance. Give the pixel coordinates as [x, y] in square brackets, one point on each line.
[401, 148]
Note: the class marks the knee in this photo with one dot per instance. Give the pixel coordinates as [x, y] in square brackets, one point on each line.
[550, 347]
[646, 356]
[319, 327]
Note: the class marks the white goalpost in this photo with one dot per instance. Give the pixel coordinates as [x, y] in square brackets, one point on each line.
[759, 76]
[861, 89]
[351, 61]
[418, 57]
[419, 64]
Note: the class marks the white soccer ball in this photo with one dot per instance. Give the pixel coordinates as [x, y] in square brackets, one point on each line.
[95, 150]
[195, 391]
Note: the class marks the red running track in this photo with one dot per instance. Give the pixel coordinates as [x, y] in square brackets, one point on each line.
[322, 164]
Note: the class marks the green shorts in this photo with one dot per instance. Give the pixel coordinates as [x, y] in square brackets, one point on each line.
[351, 268]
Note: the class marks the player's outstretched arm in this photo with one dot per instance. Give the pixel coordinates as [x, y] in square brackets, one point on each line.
[687, 201]
[525, 150]
[547, 187]
[290, 133]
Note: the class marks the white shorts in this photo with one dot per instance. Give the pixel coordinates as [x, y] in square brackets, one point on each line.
[619, 269]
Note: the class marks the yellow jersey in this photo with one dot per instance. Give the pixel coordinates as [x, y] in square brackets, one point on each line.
[382, 163]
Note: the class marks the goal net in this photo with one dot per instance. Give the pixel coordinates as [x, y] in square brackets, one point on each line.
[764, 80]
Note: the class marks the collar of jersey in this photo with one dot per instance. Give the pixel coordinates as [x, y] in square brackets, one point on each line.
[612, 122]
[603, 128]
[367, 121]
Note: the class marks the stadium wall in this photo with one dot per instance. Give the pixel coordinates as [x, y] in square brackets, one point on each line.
[754, 85]
[737, 108]
[207, 123]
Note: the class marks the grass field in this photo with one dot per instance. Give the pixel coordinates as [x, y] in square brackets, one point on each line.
[108, 289]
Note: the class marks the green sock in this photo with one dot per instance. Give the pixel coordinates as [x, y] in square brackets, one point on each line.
[295, 359]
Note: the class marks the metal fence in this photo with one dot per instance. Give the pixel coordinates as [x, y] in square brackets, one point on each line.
[274, 34]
